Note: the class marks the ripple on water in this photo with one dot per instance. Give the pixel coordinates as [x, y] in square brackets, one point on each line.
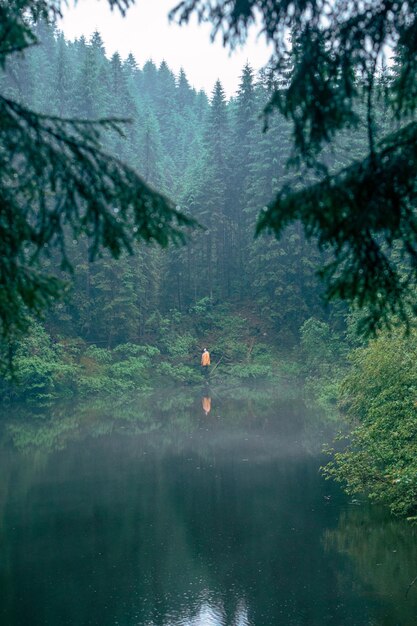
[210, 613]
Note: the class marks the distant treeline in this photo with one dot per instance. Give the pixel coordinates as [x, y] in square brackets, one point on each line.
[129, 322]
[210, 156]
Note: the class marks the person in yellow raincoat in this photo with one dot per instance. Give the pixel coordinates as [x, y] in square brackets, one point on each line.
[205, 362]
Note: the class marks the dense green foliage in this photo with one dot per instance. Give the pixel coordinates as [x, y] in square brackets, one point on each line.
[321, 355]
[46, 368]
[62, 185]
[379, 395]
[126, 325]
[331, 79]
[57, 183]
[212, 158]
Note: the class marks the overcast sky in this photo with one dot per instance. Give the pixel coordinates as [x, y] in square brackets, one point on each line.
[146, 32]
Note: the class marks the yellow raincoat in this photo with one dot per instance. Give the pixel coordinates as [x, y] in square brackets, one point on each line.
[205, 358]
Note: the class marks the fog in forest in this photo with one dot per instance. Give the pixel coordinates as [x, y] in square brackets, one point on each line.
[208, 346]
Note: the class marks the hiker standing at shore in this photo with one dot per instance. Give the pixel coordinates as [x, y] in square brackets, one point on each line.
[205, 362]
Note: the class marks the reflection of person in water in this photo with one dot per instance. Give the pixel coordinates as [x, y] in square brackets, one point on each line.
[206, 402]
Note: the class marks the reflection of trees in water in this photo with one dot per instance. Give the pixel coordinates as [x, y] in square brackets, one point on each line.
[168, 413]
[383, 552]
[148, 539]
[174, 524]
[134, 537]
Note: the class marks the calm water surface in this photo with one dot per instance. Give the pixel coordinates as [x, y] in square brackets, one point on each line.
[190, 509]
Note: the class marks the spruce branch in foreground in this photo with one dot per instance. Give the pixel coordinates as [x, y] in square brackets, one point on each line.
[58, 184]
[329, 65]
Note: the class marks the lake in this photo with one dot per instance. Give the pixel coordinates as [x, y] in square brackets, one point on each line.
[202, 507]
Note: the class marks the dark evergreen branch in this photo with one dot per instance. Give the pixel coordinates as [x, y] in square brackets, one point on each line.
[364, 209]
[358, 213]
[55, 176]
[13, 49]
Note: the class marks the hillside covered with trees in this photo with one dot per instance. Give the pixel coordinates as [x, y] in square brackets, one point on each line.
[208, 338]
[213, 159]
[130, 323]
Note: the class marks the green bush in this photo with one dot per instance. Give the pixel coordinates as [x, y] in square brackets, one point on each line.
[126, 350]
[263, 355]
[40, 369]
[380, 397]
[101, 356]
[322, 357]
[320, 347]
[125, 368]
[178, 373]
[133, 373]
[181, 346]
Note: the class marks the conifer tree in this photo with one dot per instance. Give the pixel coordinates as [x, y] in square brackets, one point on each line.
[220, 169]
[246, 132]
[57, 182]
[185, 94]
[217, 181]
[63, 85]
[361, 210]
